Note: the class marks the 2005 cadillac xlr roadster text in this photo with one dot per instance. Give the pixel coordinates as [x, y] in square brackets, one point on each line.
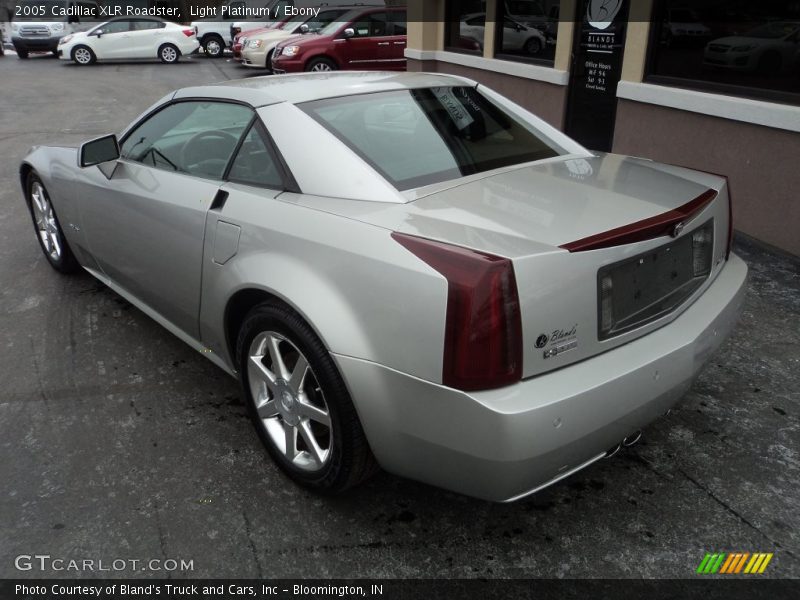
[404, 270]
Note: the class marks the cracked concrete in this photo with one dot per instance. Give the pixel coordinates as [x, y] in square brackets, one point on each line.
[120, 442]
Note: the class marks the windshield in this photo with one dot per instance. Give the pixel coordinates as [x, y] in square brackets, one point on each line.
[421, 137]
[314, 24]
[773, 31]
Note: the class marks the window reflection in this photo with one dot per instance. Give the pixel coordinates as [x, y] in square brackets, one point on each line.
[750, 48]
[527, 29]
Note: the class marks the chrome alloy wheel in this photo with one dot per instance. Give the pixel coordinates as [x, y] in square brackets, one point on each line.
[290, 403]
[45, 220]
[213, 47]
[83, 56]
[321, 66]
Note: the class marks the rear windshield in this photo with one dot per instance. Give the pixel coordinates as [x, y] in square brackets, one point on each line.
[421, 137]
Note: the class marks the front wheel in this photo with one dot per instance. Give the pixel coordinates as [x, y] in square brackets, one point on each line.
[299, 403]
[321, 64]
[22, 53]
[169, 54]
[48, 229]
[533, 46]
[83, 55]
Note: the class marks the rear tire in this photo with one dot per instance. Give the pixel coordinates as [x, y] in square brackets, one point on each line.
[83, 55]
[48, 230]
[299, 403]
[321, 65]
[213, 46]
[169, 54]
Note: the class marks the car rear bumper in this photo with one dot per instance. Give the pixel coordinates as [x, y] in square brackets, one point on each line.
[505, 444]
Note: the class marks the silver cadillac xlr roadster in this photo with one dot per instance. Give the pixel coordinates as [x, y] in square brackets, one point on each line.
[404, 270]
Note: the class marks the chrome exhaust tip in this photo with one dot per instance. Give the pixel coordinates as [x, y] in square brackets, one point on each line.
[613, 450]
[632, 440]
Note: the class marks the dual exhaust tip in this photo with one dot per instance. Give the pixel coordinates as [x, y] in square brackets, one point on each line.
[627, 442]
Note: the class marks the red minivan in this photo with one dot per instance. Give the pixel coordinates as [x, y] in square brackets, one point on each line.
[361, 39]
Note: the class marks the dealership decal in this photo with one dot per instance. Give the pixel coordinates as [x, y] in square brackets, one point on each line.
[561, 341]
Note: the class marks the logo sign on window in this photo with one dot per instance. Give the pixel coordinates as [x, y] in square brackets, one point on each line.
[600, 13]
[457, 111]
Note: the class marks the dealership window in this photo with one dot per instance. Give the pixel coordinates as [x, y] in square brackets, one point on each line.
[747, 49]
[465, 23]
[527, 30]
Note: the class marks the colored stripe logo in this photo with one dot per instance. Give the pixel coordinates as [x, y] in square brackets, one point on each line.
[734, 563]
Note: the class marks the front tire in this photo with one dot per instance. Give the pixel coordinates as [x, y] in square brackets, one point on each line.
[321, 65]
[169, 54]
[22, 53]
[83, 55]
[299, 403]
[48, 230]
[533, 46]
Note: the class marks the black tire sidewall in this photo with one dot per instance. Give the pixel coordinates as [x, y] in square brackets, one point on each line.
[272, 317]
[217, 39]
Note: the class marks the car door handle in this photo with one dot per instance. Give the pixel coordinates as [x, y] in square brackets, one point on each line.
[383, 43]
[399, 43]
[219, 200]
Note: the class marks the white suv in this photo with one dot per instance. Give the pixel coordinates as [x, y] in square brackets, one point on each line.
[39, 24]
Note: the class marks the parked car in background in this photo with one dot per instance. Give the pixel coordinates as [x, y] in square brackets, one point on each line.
[516, 36]
[683, 27]
[215, 32]
[427, 286]
[768, 49]
[289, 9]
[260, 45]
[129, 39]
[38, 30]
[364, 39]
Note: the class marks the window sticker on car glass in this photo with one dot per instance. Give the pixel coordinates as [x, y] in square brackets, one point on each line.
[457, 111]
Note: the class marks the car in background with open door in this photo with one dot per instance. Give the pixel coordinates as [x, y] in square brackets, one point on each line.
[362, 39]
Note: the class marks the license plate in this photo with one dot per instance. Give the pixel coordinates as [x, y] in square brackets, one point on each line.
[648, 286]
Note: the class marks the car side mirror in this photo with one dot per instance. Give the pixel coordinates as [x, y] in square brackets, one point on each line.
[99, 151]
[349, 33]
[98, 33]
[304, 28]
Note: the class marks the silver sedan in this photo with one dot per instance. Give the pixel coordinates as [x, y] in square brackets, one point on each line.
[404, 270]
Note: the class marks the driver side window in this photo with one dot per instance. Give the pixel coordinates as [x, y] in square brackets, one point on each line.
[196, 138]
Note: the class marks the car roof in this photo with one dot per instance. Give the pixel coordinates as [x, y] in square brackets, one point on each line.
[306, 87]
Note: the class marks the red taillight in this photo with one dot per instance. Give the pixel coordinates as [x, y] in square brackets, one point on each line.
[483, 331]
[188, 32]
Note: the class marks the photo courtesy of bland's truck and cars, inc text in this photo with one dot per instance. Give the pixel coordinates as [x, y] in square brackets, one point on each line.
[392, 298]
